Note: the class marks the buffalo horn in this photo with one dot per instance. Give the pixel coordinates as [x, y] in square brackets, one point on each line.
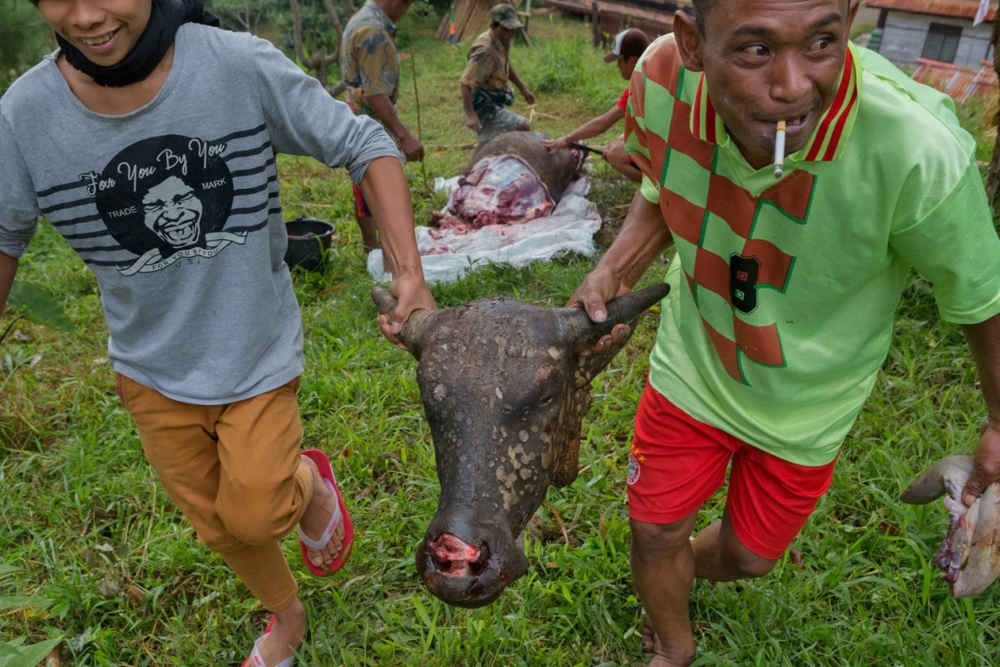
[416, 323]
[581, 333]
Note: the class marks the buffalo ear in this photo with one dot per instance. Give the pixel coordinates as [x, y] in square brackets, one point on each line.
[568, 469]
[416, 325]
[579, 333]
[948, 475]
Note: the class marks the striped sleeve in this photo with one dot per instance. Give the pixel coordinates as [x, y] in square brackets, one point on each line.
[19, 209]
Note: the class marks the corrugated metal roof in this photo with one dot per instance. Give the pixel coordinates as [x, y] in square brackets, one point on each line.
[959, 83]
[655, 22]
[960, 9]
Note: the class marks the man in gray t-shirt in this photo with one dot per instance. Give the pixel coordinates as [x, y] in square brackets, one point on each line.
[153, 153]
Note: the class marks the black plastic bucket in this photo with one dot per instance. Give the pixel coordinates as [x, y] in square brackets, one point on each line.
[308, 242]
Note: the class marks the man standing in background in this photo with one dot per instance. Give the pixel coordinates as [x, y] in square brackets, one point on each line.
[370, 65]
[485, 89]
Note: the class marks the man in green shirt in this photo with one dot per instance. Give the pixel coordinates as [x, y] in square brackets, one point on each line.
[784, 289]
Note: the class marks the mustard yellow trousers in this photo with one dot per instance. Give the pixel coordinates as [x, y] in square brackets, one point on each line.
[235, 473]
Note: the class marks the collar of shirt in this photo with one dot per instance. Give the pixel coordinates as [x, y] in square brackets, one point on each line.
[382, 16]
[831, 133]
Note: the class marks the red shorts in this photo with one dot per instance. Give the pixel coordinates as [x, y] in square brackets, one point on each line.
[360, 205]
[676, 463]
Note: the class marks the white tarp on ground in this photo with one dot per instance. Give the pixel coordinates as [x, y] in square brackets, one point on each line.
[447, 254]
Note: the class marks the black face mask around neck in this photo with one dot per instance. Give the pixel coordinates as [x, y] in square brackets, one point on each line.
[164, 20]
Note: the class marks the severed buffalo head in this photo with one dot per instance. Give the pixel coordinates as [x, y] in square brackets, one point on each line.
[504, 390]
[970, 552]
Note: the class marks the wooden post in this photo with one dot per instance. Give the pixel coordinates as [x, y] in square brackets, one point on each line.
[595, 24]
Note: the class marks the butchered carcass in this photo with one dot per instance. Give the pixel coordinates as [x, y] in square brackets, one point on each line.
[970, 551]
[504, 389]
[509, 180]
[555, 169]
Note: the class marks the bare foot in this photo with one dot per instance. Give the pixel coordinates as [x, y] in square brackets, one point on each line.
[661, 661]
[286, 635]
[663, 658]
[316, 518]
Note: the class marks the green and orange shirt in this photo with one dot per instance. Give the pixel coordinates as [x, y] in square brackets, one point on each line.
[784, 291]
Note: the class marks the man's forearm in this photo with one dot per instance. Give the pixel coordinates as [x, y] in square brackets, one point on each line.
[467, 99]
[984, 341]
[382, 107]
[8, 268]
[514, 78]
[388, 195]
[642, 238]
[596, 126]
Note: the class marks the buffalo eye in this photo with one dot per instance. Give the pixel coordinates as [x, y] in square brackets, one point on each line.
[545, 400]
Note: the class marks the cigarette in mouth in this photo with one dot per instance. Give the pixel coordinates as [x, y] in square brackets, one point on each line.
[779, 149]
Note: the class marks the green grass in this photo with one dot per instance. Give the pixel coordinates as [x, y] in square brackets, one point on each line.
[93, 552]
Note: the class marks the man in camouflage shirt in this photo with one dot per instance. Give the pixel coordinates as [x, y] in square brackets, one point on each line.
[485, 89]
[370, 66]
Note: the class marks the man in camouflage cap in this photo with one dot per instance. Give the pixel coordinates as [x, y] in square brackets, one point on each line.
[485, 89]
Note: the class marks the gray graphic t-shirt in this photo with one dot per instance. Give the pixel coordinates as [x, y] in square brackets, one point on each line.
[175, 206]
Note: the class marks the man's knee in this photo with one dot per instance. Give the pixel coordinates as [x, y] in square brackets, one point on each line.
[615, 154]
[255, 518]
[251, 527]
[214, 534]
[754, 566]
[745, 562]
[658, 540]
[618, 158]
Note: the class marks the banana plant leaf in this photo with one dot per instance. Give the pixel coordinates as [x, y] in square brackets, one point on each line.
[38, 306]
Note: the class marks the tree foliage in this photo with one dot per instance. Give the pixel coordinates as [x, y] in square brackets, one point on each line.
[317, 29]
[311, 30]
[247, 15]
[23, 34]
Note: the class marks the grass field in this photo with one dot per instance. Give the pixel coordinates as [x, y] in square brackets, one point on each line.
[94, 553]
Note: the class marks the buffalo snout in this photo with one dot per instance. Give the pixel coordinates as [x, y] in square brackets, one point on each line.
[469, 573]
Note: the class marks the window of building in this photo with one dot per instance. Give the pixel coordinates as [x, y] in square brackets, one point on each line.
[942, 42]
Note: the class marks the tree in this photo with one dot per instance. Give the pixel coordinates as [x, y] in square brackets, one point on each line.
[323, 47]
[993, 177]
[245, 15]
[23, 34]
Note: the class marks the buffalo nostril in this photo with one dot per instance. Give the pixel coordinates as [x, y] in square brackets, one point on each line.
[456, 557]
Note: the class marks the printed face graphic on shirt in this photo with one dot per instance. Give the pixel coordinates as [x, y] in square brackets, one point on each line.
[173, 212]
[165, 199]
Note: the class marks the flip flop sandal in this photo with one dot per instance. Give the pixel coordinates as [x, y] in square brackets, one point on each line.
[256, 661]
[322, 462]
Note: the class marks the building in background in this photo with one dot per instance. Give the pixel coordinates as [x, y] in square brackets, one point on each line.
[609, 17]
[939, 30]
